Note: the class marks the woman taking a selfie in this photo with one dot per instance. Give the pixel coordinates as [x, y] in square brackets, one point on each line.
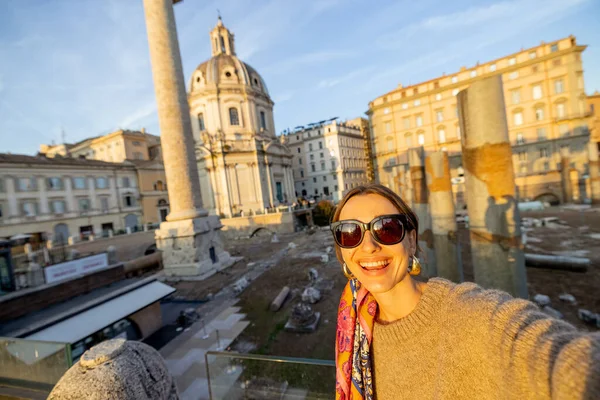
[399, 338]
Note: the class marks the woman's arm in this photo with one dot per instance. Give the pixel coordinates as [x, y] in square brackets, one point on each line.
[539, 357]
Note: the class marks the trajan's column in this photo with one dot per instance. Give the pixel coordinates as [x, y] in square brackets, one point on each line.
[190, 239]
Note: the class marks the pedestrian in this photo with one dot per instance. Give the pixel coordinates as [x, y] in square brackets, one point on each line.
[402, 337]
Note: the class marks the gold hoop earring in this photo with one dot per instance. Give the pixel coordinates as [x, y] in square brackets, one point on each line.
[415, 266]
[347, 273]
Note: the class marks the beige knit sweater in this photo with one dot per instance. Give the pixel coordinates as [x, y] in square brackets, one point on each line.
[465, 342]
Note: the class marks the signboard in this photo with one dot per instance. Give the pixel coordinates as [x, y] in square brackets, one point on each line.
[72, 269]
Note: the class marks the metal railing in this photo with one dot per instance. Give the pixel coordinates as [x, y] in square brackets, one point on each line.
[252, 376]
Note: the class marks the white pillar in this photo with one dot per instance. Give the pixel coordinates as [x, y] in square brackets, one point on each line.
[13, 206]
[70, 197]
[44, 205]
[270, 183]
[92, 193]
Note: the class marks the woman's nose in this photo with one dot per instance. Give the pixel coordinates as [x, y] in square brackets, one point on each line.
[369, 245]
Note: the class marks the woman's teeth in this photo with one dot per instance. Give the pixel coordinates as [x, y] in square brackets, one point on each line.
[375, 264]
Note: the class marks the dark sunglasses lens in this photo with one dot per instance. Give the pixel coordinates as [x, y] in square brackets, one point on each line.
[348, 234]
[388, 230]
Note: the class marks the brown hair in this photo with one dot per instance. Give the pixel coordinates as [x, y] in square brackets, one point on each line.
[375, 188]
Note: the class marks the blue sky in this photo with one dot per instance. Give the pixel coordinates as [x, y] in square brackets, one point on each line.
[83, 66]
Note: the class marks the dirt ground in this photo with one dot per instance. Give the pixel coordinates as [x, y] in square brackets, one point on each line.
[576, 234]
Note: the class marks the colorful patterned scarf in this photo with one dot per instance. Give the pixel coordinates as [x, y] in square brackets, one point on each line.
[356, 316]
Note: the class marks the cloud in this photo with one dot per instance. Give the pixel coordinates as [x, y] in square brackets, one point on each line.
[503, 19]
[138, 115]
[308, 59]
[282, 97]
[331, 82]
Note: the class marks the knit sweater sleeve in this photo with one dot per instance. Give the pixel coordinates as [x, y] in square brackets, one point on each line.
[536, 356]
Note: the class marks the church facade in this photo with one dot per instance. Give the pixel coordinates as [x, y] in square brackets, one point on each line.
[243, 166]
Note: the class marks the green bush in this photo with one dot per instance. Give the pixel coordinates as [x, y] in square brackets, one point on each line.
[323, 212]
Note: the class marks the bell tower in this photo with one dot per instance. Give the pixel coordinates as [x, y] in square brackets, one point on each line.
[222, 40]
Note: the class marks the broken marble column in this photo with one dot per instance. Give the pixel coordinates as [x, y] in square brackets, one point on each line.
[189, 239]
[119, 370]
[303, 319]
[420, 205]
[443, 216]
[494, 222]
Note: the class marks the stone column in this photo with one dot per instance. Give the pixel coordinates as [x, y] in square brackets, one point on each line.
[190, 241]
[70, 197]
[92, 193]
[176, 137]
[270, 183]
[416, 160]
[594, 172]
[443, 217]
[260, 198]
[565, 176]
[496, 247]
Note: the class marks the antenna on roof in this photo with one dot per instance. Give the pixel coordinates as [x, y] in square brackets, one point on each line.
[62, 135]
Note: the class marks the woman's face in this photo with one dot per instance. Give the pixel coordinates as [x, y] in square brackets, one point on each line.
[378, 267]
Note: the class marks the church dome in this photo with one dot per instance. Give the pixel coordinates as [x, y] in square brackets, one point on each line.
[224, 67]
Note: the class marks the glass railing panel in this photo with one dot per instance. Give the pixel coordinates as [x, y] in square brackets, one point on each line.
[32, 364]
[250, 376]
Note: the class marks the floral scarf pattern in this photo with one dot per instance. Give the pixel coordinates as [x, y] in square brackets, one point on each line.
[356, 315]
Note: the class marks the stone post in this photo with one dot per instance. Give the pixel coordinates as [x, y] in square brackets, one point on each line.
[496, 247]
[565, 179]
[594, 163]
[420, 205]
[443, 216]
[188, 236]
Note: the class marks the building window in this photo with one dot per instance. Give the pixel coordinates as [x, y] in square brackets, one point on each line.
[532, 55]
[512, 61]
[300, 160]
[322, 166]
[2, 184]
[522, 155]
[537, 92]
[321, 154]
[324, 178]
[332, 164]
[515, 96]
[554, 48]
[104, 204]
[234, 118]
[320, 145]
[406, 122]
[513, 75]
[138, 156]
[54, 183]
[79, 183]
[310, 148]
[129, 201]
[492, 67]
[563, 129]
[419, 120]
[263, 121]
[439, 115]
[518, 118]
[559, 86]
[408, 139]
[404, 106]
[454, 79]
[473, 74]
[417, 102]
[84, 204]
[534, 69]
[29, 208]
[101, 182]
[301, 173]
[27, 184]
[312, 157]
[442, 135]
[388, 127]
[125, 182]
[136, 143]
[312, 167]
[556, 62]
[314, 179]
[58, 206]
[386, 110]
[421, 139]
[541, 133]
[539, 114]
[560, 110]
[390, 144]
[520, 138]
[438, 96]
[201, 122]
[455, 92]
[543, 152]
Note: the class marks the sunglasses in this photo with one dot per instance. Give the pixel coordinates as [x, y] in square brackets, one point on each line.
[385, 229]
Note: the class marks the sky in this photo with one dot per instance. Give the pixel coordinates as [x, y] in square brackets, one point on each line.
[81, 68]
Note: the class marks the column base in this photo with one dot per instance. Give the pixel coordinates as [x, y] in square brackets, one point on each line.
[192, 248]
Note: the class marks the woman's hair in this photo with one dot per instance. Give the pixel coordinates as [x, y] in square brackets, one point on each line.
[375, 188]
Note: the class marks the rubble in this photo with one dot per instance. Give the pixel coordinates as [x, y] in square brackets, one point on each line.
[552, 312]
[292, 245]
[541, 300]
[568, 298]
[311, 295]
[280, 299]
[324, 258]
[313, 275]
[274, 238]
[328, 249]
[303, 319]
[240, 285]
[589, 317]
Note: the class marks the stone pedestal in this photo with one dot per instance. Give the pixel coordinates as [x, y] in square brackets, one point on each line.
[192, 248]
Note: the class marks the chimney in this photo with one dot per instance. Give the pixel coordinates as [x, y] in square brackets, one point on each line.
[143, 130]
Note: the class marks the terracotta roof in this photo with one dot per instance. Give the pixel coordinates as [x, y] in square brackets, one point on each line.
[58, 160]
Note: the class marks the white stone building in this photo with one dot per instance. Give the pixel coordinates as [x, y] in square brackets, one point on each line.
[54, 198]
[329, 158]
[241, 163]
